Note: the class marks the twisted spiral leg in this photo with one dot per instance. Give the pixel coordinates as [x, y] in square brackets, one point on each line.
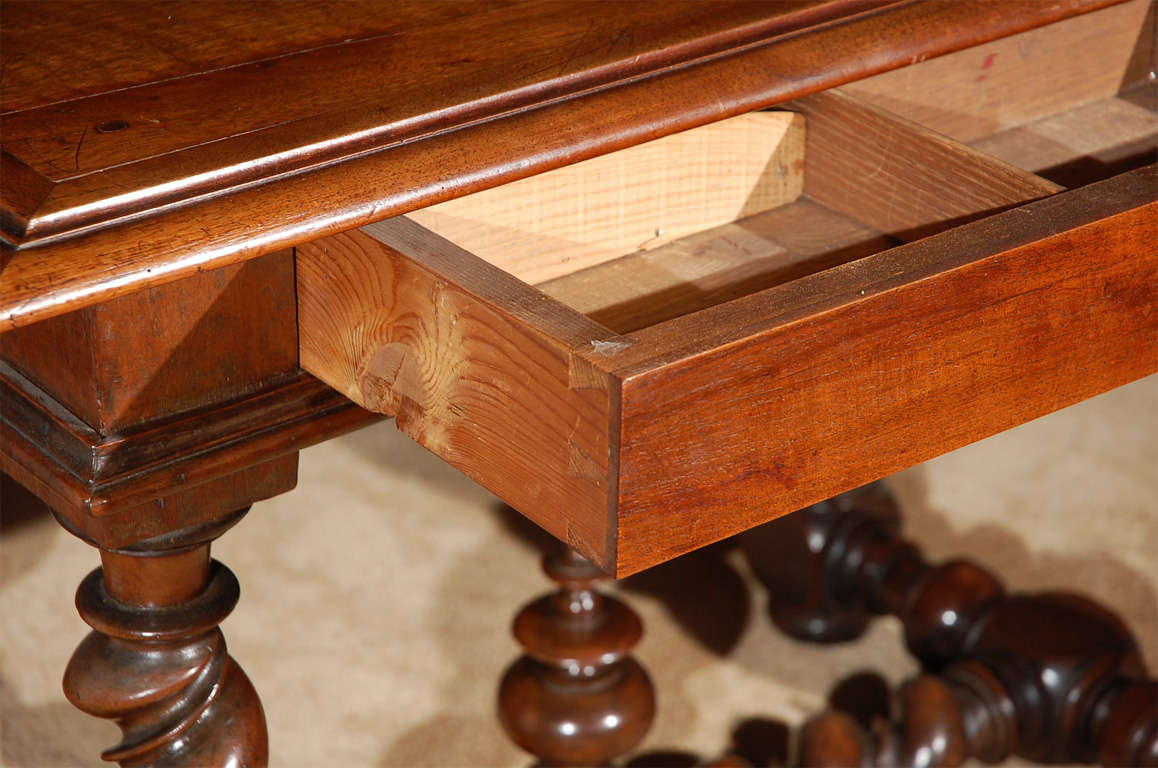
[157, 664]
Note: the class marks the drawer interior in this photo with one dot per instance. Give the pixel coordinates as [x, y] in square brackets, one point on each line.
[683, 223]
[658, 231]
[1086, 142]
[1073, 102]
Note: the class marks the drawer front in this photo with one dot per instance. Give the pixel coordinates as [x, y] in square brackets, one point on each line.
[846, 376]
[637, 443]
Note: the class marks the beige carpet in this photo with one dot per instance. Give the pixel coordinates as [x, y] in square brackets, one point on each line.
[376, 599]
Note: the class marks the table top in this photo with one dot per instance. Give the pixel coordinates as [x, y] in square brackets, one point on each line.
[144, 141]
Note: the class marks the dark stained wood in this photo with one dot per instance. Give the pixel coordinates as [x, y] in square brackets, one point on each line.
[306, 115]
[801, 598]
[156, 661]
[211, 337]
[473, 364]
[153, 418]
[145, 424]
[84, 48]
[117, 489]
[576, 697]
[1050, 677]
[59, 353]
[144, 159]
[124, 140]
[556, 55]
[320, 184]
[163, 408]
[899, 177]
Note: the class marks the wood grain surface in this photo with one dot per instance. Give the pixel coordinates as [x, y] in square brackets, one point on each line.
[475, 365]
[749, 410]
[167, 215]
[166, 350]
[162, 408]
[716, 265]
[900, 177]
[730, 416]
[118, 489]
[83, 48]
[1004, 83]
[632, 200]
[1085, 143]
[162, 137]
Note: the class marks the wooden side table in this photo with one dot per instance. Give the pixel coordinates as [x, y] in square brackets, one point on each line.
[567, 253]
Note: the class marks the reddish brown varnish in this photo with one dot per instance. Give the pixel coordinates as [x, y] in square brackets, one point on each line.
[576, 697]
[149, 381]
[146, 423]
[156, 661]
[416, 120]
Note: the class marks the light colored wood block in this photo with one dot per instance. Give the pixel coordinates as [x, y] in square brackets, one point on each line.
[715, 266]
[1102, 133]
[1016, 79]
[636, 199]
[900, 177]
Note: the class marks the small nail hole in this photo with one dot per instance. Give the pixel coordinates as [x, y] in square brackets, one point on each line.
[111, 126]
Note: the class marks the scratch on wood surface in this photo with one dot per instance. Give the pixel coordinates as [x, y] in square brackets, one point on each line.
[609, 346]
[79, 144]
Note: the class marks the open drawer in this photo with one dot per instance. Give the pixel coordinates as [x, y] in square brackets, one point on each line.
[658, 348]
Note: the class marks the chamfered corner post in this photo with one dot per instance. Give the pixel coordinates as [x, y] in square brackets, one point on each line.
[576, 696]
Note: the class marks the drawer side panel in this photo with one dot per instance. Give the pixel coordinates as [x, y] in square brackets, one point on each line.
[474, 365]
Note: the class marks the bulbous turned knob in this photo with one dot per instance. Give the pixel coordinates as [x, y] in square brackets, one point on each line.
[930, 733]
[576, 697]
[944, 607]
[835, 740]
[809, 561]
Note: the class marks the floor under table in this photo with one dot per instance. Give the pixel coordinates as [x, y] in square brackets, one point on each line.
[377, 598]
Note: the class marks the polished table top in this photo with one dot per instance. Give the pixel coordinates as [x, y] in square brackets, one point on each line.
[142, 146]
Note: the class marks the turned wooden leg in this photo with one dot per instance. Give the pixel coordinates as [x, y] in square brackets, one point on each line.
[800, 557]
[969, 710]
[576, 697]
[156, 661]
[1051, 677]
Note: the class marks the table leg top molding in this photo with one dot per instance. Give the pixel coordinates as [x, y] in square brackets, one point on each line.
[94, 482]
